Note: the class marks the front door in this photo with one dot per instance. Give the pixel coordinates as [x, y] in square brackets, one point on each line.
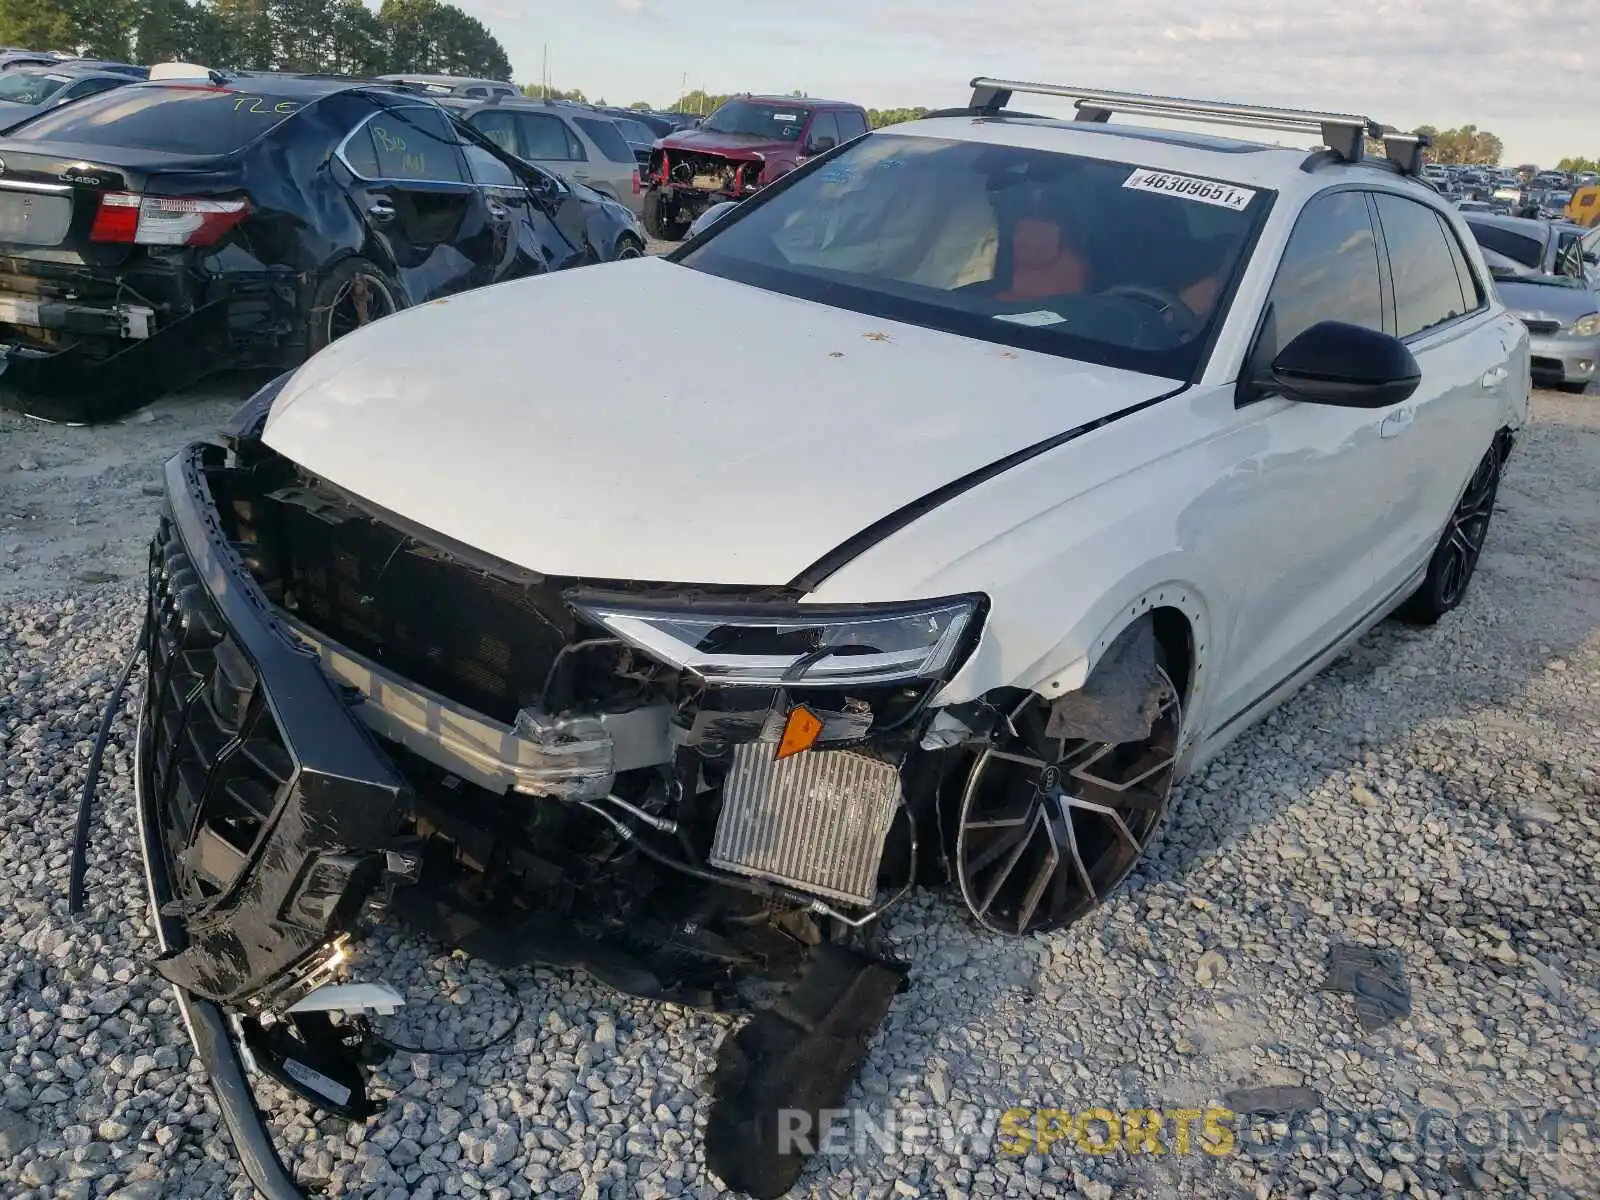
[1303, 500]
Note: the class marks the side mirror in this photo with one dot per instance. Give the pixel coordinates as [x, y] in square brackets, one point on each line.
[1347, 366]
[821, 145]
[1592, 257]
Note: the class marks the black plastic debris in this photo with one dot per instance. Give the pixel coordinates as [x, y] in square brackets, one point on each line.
[1377, 980]
[800, 1056]
[1275, 1101]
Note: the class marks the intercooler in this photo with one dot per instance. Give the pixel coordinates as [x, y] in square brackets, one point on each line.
[814, 821]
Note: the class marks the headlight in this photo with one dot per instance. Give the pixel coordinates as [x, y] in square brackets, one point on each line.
[1586, 326]
[793, 645]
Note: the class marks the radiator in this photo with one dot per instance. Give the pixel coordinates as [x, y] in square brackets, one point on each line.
[814, 821]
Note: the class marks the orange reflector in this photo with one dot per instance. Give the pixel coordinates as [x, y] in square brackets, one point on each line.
[799, 732]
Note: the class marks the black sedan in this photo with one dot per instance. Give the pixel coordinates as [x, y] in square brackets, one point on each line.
[156, 233]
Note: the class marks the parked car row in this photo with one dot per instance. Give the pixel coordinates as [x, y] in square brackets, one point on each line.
[1547, 273]
[154, 234]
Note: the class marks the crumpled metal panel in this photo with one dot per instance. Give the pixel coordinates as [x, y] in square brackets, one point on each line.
[815, 821]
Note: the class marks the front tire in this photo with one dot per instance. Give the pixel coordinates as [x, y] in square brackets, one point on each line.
[628, 247]
[657, 221]
[1048, 828]
[352, 294]
[1455, 559]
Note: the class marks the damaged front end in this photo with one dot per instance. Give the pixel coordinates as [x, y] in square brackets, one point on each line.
[684, 183]
[692, 794]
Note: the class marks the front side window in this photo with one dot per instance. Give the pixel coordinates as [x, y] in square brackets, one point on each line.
[23, 87]
[408, 144]
[851, 124]
[824, 133]
[751, 118]
[1329, 272]
[1105, 262]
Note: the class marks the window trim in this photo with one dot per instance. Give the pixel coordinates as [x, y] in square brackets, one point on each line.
[1394, 307]
[1246, 392]
[466, 180]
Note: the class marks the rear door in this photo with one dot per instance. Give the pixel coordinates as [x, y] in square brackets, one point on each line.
[426, 217]
[546, 142]
[616, 171]
[1433, 441]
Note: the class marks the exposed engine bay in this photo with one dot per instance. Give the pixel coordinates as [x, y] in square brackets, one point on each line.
[709, 172]
[694, 794]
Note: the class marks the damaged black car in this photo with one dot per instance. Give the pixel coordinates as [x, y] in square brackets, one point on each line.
[152, 235]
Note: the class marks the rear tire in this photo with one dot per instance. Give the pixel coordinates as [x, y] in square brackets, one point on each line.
[352, 294]
[1455, 559]
[628, 247]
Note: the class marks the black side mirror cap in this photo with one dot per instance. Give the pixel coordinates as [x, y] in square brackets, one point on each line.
[1348, 366]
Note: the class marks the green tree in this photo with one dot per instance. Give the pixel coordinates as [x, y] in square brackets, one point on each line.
[642, 105]
[538, 91]
[698, 102]
[427, 36]
[1578, 164]
[39, 24]
[879, 117]
[248, 37]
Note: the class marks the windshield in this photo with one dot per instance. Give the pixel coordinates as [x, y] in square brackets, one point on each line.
[23, 88]
[770, 122]
[1519, 248]
[1105, 262]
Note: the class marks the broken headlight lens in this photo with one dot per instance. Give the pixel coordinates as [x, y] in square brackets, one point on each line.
[793, 645]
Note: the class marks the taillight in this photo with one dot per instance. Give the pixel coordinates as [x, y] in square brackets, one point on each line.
[165, 220]
[636, 181]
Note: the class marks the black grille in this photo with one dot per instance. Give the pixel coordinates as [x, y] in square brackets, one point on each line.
[217, 763]
[484, 642]
[1542, 326]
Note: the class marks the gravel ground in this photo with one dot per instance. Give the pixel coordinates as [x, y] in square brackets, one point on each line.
[1431, 795]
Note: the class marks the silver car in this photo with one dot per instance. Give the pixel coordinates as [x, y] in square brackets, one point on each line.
[1548, 274]
[572, 140]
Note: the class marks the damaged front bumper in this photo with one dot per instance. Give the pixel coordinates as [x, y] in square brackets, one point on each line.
[286, 781]
[214, 736]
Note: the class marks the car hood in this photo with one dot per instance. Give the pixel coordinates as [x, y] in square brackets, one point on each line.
[1546, 301]
[645, 421]
[732, 145]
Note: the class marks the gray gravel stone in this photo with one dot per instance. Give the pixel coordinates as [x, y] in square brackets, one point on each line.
[1432, 793]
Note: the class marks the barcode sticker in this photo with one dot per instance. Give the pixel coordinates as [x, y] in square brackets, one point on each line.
[1188, 187]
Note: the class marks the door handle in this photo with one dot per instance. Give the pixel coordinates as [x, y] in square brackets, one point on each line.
[381, 211]
[1494, 377]
[1397, 422]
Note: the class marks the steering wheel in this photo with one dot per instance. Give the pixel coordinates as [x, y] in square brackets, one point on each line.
[1174, 313]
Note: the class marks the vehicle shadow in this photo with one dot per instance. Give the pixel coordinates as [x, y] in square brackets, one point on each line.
[1432, 743]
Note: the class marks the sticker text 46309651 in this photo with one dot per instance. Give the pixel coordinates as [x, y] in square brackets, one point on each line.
[1188, 187]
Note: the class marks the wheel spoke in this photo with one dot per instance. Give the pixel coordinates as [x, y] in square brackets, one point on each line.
[1048, 837]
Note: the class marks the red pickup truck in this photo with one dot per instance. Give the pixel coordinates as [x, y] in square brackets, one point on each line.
[745, 144]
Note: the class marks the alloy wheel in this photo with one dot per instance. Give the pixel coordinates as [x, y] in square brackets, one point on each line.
[1049, 827]
[361, 300]
[1469, 527]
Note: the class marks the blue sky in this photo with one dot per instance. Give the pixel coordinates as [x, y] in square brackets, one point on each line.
[1523, 70]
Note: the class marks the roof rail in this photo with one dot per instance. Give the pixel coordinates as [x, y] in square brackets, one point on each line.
[1344, 134]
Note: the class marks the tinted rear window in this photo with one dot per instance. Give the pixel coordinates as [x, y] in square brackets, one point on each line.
[1518, 248]
[603, 133]
[183, 119]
